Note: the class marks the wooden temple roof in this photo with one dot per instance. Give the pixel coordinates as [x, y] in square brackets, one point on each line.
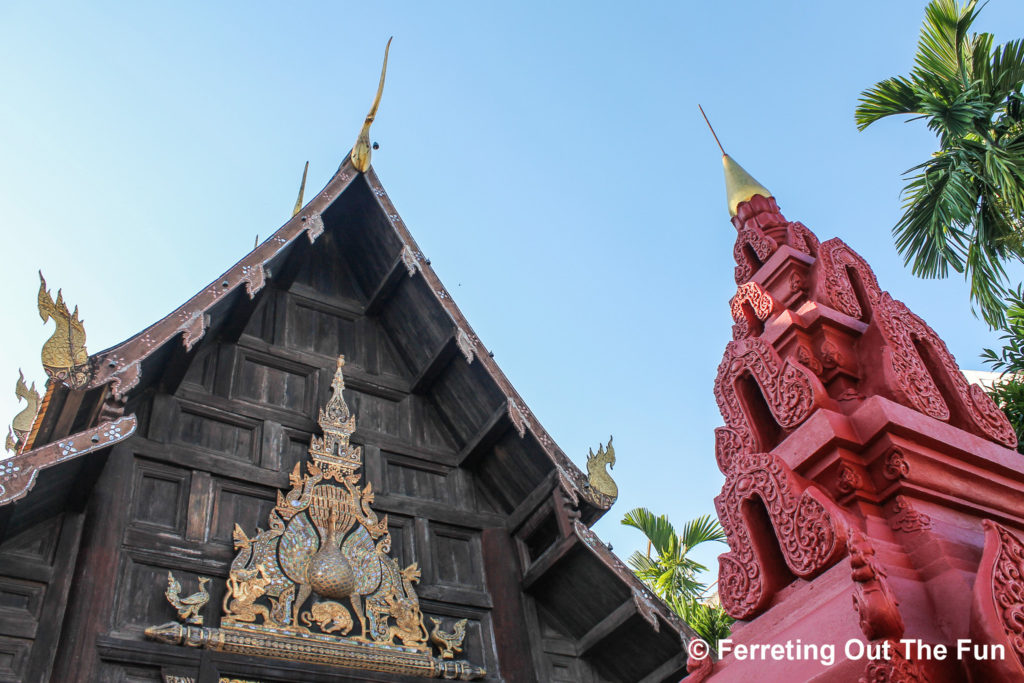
[386, 264]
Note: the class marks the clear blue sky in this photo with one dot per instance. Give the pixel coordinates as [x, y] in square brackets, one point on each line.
[548, 157]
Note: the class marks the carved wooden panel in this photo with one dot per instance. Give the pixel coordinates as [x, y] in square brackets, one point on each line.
[416, 478]
[314, 328]
[277, 382]
[160, 497]
[21, 602]
[229, 436]
[456, 555]
[14, 654]
[376, 412]
[235, 502]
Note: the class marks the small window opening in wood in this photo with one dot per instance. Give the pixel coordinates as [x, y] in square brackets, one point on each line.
[542, 537]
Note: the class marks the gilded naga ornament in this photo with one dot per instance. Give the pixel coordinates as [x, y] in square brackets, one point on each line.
[361, 150]
[21, 425]
[64, 356]
[319, 584]
[599, 479]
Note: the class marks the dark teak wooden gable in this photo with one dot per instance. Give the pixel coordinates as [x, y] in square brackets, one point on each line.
[470, 496]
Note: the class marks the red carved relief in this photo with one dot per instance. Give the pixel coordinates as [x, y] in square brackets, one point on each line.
[835, 289]
[896, 466]
[808, 530]
[896, 669]
[873, 600]
[997, 612]
[751, 306]
[697, 669]
[753, 238]
[791, 392]
[907, 519]
[914, 384]
[802, 239]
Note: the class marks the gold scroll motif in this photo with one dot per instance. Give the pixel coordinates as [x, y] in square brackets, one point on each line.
[64, 356]
[318, 585]
[598, 477]
[21, 425]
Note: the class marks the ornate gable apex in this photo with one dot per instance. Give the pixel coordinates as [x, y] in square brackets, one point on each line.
[121, 371]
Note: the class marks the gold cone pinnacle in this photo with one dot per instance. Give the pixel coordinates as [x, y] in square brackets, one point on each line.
[740, 186]
[302, 190]
[361, 150]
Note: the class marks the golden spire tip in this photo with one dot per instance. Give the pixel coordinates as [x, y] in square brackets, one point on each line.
[740, 186]
[302, 190]
[361, 150]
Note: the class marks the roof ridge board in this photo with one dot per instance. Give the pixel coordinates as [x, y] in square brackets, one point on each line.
[114, 364]
[573, 478]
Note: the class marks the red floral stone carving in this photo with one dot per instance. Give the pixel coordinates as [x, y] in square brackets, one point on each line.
[791, 392]
[915, 385]
[897, 669]
[835, 261]
[728, 444]
[802, 239]
[849, 480]
[751, 306]
[806, 358]
[697, 670]
[809, 530]
[907, 519]
[753, 238]
[997, 612]
[873, 600]
[896, 465]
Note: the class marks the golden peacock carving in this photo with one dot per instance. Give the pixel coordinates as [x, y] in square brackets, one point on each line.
[188, 607]
[448, 643]
[598, 477]
[64, 356]
[319, 583]
[21, 425]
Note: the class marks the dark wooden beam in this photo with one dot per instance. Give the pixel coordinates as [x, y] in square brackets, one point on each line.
[533, 500]
[386, 286]
[669, 670]
[488, 435]
[606, 626]
[437, 363]
[548, 560]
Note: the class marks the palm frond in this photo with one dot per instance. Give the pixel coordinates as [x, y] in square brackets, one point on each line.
[701, 530]
[890, 97]
[658, 530]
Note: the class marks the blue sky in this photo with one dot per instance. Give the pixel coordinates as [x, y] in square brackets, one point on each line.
[549, 159]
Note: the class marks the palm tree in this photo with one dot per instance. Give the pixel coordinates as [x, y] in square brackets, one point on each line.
[964, 207]
[673, 576]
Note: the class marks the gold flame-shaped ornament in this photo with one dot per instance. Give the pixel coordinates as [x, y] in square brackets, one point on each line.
[64, 356]
[599, 479]
[361, 150]
[302, 191]
[21, 425]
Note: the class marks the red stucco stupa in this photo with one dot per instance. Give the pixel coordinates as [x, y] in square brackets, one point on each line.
[873, 499]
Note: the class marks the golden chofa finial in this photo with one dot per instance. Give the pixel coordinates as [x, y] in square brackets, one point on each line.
[740, 186]
[361, 150]
[64, 356]
[22, 423]
[302, 191]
